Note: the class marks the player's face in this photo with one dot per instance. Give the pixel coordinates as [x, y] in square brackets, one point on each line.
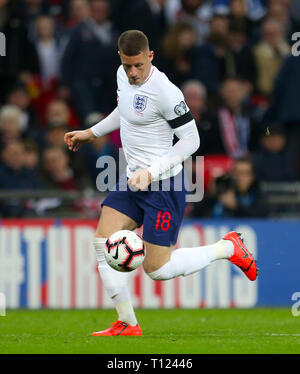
[137, 67]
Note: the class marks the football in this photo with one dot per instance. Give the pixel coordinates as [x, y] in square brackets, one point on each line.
[124, 251]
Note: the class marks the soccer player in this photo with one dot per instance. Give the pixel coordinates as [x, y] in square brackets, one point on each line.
[150, 111]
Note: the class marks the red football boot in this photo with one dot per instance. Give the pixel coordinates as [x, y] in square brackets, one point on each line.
[242, 257]
[120, 328]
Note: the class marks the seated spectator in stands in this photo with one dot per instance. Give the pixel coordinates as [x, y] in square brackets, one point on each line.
[58, 119]
[55, 132]
[89, 63]
[196, 98]
[11, 124]
[15, 176]
[19, 96]
[31, 155]
[176, 47]
[274, 160]
[58, 112]
[237, 126]
[93, 151]
[234, 195]
[269, 54]
[57, 173]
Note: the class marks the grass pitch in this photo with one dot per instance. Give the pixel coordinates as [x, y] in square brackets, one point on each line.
[165, 331]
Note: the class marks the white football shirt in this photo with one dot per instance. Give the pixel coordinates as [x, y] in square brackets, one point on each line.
[149, 113]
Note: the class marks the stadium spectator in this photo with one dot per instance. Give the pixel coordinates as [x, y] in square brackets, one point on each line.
[79, 11]
[56, 172]
[284, 106]
[253, 10]
[243, 63]
[176, 48]
[219, 25]
[91, 154]
[48, 49]
[58, 119]
[235, 194]
[90, 62]
[18, 60]
[269, 54]
[31, 9]
[195, 12]
[19, 96]
[196, 98]
[58, 112]
[144, 15]
[31, 155]
[15, 176]
[55, 133]
[295, 15]
[236, 121]
[274, 160]
[11, 124]
[279, 10]
[210, 63]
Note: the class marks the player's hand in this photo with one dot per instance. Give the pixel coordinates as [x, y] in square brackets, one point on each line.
[74, 139]
[140, 179]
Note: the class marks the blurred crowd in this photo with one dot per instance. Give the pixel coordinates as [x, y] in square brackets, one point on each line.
[232, 59]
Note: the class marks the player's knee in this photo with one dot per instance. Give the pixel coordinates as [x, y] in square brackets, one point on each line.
[150, 265]
[161, 272]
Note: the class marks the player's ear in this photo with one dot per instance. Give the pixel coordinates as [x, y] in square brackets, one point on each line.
[151, 55]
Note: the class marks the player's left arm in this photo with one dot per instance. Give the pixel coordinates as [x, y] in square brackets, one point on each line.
[177, 114]
[188, 143]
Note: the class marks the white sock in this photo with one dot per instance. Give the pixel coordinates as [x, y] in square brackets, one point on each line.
[185, 261]
[223, 249]
[115, 284]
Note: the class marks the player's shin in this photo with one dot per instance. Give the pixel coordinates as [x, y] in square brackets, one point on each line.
[115, 284]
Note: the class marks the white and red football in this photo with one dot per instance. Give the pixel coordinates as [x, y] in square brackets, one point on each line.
[125, 251]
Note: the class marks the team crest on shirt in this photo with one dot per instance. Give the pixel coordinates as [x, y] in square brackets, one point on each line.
[140, 103]
[180, 109]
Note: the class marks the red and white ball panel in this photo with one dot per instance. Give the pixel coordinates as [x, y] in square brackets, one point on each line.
[125, 251]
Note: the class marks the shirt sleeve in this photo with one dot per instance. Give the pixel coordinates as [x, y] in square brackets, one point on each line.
[173, 107]
[108, 124]
[188, 143]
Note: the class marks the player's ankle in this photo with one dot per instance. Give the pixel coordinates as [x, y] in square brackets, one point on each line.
[223, 249]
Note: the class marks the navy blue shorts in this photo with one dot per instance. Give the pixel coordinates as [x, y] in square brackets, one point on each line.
[160, 208]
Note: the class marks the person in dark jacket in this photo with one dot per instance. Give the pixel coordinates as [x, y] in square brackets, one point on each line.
[275, 160]
[90, 62]
[15, 176]
[235, 194]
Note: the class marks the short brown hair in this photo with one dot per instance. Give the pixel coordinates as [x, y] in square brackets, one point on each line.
[133, 42]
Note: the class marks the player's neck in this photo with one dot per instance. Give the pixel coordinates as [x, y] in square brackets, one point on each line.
[149, 72]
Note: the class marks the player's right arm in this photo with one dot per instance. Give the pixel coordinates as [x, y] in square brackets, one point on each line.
[75, 139]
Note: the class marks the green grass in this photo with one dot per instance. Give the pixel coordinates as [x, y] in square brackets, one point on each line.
[165, 331]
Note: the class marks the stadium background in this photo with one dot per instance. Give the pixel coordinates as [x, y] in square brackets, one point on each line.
[234, 63]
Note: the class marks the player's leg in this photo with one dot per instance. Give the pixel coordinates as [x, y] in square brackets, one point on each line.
[162, 263]
[115, 282]
[161, 227]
